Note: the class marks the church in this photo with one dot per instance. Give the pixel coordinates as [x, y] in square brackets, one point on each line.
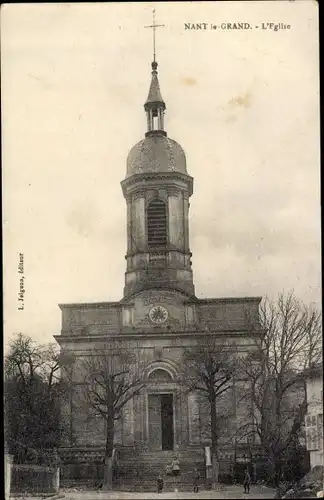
[159, 313]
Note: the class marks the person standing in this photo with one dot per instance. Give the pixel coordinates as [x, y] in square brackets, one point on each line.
[159, 484]
[175, 467]
[247, 481]
[196, 477]
[168, 470]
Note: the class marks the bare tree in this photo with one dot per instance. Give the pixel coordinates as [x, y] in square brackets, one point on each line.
[208, 369]
[32, 395]
[112, 376]
[276, 371]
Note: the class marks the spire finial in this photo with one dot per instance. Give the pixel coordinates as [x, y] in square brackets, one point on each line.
[154, 26]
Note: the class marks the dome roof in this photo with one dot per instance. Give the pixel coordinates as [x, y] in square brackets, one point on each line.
[156, 153]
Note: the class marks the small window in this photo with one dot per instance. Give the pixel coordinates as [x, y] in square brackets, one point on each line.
[156, 224]
[160, 375]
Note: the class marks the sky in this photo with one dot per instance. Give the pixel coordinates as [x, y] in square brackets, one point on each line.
[243, 104]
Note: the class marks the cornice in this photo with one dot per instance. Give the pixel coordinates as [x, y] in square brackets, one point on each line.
[191, 300]
[90, 305]
[162, 333]
[138, 193]
[173, 191]
[157, 176]
[226, 300]
[144, 286]
[161, 250]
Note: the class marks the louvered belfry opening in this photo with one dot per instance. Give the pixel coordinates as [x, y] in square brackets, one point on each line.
[156, 224]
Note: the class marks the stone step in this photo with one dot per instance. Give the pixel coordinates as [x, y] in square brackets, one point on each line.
[153, 480]
[141, 451]
[163, 456]
[143, 458]
[155, 464]
[152, 474]
[139, 471]
[153, 487]
[158, 463]
[184, 471]
[139, 464]
[147, 463]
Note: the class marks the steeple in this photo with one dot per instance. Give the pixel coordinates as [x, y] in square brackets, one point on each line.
[154, 105]
[157, 188]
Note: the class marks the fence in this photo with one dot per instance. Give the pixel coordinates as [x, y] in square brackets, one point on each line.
[85, 474]
[35, 479]
[85, 466]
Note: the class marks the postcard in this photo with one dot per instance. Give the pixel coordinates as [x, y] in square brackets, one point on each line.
[161, 179]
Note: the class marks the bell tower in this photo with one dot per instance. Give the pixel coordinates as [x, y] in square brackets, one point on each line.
[157, 190]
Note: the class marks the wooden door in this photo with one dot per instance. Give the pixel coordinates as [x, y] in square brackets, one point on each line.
[154, 418]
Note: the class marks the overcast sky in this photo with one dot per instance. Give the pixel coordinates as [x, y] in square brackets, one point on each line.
[244, 105]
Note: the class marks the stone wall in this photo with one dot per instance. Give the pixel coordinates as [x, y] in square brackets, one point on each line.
[226, 414]
[90, 327]
[229, 314]
[112, 318]
[81, 466]
[35, 479]
[86, 428]
[90, 319]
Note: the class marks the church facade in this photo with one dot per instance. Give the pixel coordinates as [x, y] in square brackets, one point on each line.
[159, 312]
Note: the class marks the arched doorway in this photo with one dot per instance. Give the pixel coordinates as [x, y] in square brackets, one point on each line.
[161, 411]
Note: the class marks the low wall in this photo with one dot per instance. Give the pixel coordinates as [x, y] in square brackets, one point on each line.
[8, 473]
[81, 466]
[34, 479]
[76, 474]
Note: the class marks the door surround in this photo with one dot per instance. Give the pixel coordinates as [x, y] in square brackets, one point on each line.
[157, 391]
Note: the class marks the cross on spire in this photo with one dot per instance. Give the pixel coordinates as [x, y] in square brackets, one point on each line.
[154, 26]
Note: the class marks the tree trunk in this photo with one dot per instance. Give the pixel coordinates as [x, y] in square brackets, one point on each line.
[271, 470]
[215, 470]
[274, 469]
[108, 476]
[214, 438]
[277, 473]
[107, 479]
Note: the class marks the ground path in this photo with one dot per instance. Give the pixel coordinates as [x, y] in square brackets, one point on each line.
[225, 492]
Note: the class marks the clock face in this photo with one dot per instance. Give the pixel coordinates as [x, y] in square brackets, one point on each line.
[158, 314]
